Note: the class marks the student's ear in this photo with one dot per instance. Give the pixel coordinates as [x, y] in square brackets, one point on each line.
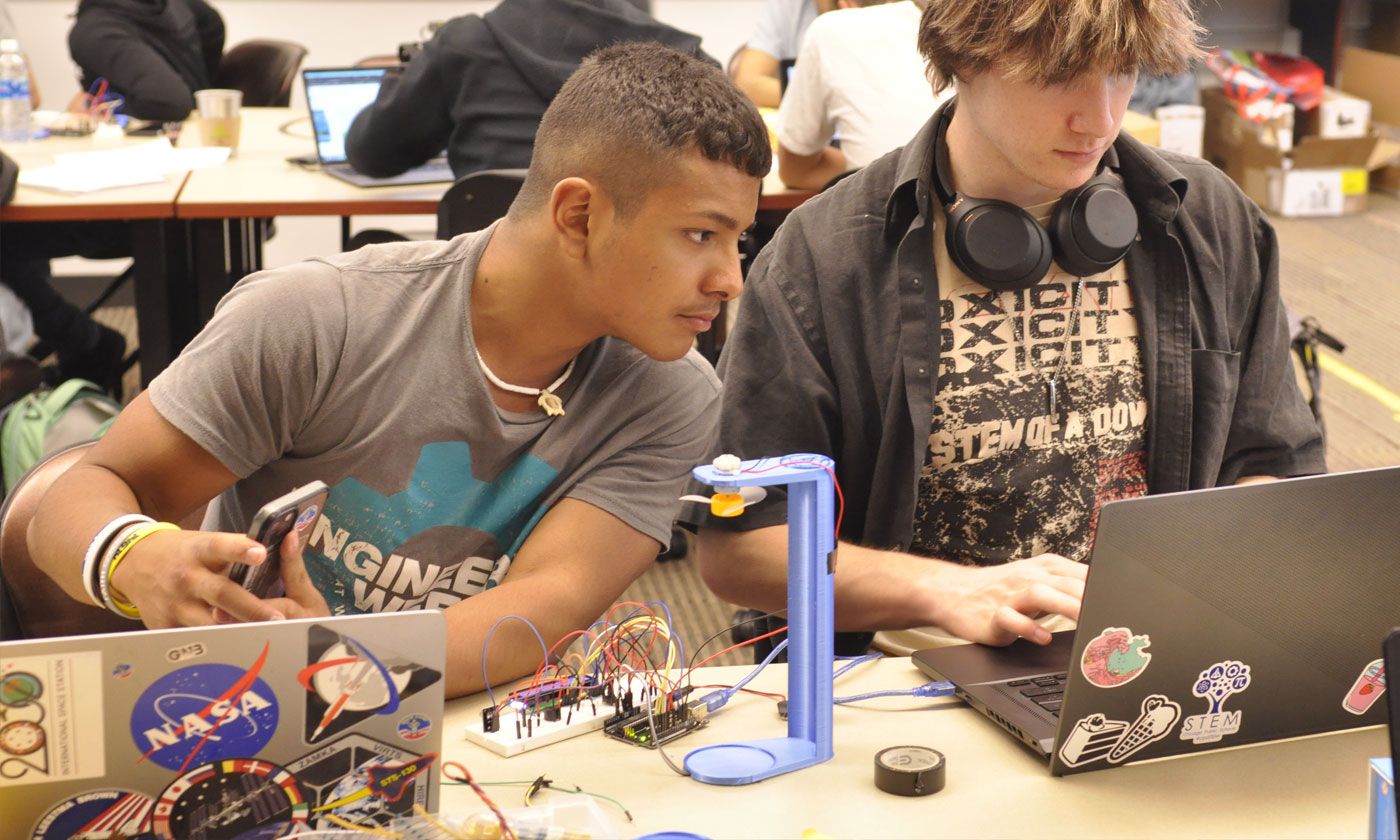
[572, 205]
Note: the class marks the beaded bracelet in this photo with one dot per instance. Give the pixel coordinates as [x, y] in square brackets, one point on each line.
[98, 545]
[114, 600]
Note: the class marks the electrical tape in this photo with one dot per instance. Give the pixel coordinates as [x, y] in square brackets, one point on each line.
[910, 770]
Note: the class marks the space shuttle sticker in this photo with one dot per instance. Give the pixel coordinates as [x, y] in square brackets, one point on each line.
[346, 682]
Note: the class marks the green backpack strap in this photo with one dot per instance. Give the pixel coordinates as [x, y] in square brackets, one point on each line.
[22, 437]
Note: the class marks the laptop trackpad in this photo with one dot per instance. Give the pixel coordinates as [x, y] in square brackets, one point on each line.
[972, 664]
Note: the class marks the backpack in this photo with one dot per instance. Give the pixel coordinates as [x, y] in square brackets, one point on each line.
[49, 419]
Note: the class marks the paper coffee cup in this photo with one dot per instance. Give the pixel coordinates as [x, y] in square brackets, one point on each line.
[219, 120]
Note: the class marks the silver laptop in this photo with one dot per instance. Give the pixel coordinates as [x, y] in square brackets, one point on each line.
[1212, 618]
[335, 97]
[237, 731]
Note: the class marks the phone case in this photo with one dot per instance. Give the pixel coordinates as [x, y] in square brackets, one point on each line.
[300, 509]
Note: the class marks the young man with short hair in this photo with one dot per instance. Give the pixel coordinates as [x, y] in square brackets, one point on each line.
[394, 374]
[981, 400]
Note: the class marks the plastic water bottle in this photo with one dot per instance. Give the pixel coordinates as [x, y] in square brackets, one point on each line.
[15, 116]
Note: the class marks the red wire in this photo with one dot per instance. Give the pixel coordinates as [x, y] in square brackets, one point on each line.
[692, 668]
[840, 497]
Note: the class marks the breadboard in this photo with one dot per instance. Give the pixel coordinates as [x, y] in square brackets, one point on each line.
[504, 741]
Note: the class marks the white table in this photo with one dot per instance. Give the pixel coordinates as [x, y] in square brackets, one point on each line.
[1311, 787]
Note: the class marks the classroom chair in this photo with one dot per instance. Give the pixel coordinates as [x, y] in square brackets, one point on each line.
[476, 200]
[31, 605]
[263, 69]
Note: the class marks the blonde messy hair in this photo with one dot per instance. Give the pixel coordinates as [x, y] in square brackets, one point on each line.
[1054, 41]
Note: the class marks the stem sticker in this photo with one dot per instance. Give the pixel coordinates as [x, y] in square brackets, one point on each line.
[1367, 689]
[1213, 685]
[1115, 657]
[1095, 737]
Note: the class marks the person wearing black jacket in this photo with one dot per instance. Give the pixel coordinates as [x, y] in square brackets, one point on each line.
[480, 86]
[153, 53]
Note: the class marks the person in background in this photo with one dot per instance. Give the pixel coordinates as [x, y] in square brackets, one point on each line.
[982, 397]
[154, 54]
[505, 419]
[859, 77]
[775, 39]
[479, 87]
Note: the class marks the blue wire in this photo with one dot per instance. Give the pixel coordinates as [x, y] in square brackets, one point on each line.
[937, 688]
[544, 649]
[854, 661]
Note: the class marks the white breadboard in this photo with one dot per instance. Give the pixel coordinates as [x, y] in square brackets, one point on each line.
[504, 741]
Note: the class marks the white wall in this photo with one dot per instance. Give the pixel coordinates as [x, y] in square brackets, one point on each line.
[340, 32]
[336, 32]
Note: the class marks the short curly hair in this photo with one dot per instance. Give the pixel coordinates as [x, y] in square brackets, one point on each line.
[1054, 41]
[629, 112]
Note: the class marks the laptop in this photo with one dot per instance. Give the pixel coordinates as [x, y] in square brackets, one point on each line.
[335, 97]
[1391, 661]
[1211, 618]
[235, 731]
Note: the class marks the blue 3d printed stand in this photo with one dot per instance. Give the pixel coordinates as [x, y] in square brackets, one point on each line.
[811, 543]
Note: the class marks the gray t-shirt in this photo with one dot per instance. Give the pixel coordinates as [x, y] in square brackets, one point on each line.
[360, 370]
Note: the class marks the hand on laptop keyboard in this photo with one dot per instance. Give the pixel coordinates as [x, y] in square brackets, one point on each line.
[996, 605]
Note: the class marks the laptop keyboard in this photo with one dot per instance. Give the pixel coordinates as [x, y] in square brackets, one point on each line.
[1046, 691]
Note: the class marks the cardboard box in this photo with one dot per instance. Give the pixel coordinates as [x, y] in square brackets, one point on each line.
[1142, 127]
[1183, 128]
[1372, 75]
[1382, 781]
[1319, 176]
[1338, 115]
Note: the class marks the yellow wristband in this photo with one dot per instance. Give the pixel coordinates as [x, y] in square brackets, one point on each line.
[124, 606]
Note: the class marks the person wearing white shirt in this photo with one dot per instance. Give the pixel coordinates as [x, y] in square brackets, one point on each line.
[859, 77]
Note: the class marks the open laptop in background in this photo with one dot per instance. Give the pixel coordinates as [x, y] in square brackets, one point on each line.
[1212, 618]
[245, 730]
[334, 98]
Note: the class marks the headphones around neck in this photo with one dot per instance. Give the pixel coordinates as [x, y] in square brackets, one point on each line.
[1004, 248]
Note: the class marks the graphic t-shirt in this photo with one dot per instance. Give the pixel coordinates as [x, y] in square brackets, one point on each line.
[360, 370]
[1014, 470]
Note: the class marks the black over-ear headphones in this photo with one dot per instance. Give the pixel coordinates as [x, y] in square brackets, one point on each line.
[1003, 247]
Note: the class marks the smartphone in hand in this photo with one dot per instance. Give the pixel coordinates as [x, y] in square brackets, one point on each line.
[298, 510]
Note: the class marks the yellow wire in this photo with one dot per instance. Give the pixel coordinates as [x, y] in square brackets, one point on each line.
[366, 829]
[422, 812]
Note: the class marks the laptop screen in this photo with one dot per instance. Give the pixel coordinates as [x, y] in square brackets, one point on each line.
[335, 97]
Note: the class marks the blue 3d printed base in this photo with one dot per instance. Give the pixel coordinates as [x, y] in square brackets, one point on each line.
[811, 543]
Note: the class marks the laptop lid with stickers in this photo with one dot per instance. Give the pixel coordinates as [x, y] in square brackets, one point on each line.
[221, 733]
[1231, 616]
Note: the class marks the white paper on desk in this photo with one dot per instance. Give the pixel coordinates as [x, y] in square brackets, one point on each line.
[147, 163]
[155, 157]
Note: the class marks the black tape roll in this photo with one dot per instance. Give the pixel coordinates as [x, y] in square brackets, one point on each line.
[910, 771]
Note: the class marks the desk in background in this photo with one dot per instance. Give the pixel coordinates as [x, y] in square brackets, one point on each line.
[1310, 787]
[223, 202]
[160, 264]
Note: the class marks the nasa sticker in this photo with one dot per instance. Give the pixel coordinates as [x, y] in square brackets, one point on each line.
[363, 781]
[306, 518]
[97, 813]
[415, 726]
[202, 713]
[1115, 657]
[1213, 685]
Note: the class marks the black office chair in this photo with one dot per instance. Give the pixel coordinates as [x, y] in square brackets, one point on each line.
[263, 69]
[476, 200]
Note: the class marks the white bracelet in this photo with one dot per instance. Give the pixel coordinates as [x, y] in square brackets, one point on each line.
[104, 570]
[95, 550]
